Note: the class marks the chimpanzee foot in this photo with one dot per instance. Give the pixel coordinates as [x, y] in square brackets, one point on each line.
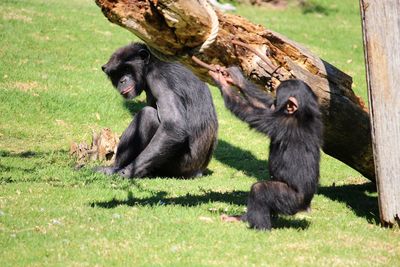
[126, 173]
[235, 218]
[198, 174]
[106, 170]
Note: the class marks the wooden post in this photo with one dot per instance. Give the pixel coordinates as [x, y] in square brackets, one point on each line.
[381, 30]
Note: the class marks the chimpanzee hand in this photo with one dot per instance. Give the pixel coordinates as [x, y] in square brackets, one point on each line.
[225, 77]
[235, 218]
[221, 77]
[130, 171]
[236, 77]
[106, 170]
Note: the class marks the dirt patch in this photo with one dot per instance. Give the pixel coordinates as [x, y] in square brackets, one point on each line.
[40, 37]
[26, 86]
[67, 67]
[31, 87]
[19, 15]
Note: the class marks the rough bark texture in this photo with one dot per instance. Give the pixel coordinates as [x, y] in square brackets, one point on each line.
[179, 27]
[381, 29]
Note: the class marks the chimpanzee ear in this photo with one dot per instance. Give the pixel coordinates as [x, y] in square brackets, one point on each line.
[144, 55]
[292, 105]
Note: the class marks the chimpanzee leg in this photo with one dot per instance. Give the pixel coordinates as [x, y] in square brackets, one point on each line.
[258, 211]
[137, 136]
[267, 198]
[134, 139]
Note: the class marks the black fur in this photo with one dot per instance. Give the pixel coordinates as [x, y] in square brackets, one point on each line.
[294, 149]
[176, 133]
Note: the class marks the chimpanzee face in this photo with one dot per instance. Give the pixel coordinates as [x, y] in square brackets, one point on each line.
[286, 100]
[127, 69]
[126, 84]
[296, 98]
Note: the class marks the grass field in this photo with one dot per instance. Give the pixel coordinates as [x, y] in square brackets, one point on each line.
[52, 92]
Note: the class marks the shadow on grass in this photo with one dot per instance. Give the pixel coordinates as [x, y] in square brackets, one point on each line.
[234, 197]
[134, 106]
[17, 165]
[283, 223]
[241, 160]
[23, 154]
[188, 200]
[4, 168]
[356, 198]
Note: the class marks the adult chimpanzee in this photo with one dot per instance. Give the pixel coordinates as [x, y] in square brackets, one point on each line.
[293, 122]
[176, 133]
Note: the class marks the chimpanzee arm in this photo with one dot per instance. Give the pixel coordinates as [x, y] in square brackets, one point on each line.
[252, 93]
[169, 137]
[261, 119]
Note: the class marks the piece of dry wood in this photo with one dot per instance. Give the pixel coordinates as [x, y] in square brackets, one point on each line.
[103, 148]
[382, 56]
[179, 27]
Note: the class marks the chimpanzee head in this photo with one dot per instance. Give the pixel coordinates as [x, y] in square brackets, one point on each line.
[127, 69]
[295, 98]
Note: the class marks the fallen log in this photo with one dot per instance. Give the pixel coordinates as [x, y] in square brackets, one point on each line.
[180, 28]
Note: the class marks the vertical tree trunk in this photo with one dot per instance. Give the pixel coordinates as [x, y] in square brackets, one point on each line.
[381, 28]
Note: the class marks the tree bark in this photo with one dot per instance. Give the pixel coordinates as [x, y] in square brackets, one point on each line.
[381, 30]
[178, 27]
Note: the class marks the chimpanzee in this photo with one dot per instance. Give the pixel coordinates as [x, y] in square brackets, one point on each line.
[293, 122]
[176, 133]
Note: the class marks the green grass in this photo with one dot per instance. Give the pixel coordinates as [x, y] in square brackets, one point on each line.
[52, 92]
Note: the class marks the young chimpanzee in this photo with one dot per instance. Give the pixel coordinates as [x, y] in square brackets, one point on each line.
[293, 122]
[176, 133]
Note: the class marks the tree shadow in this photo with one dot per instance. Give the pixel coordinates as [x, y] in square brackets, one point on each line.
[23, 154]
[7, 168]
[356, 197]
[241, 160]
[189, 200]
[4, 168]
[17, 164]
